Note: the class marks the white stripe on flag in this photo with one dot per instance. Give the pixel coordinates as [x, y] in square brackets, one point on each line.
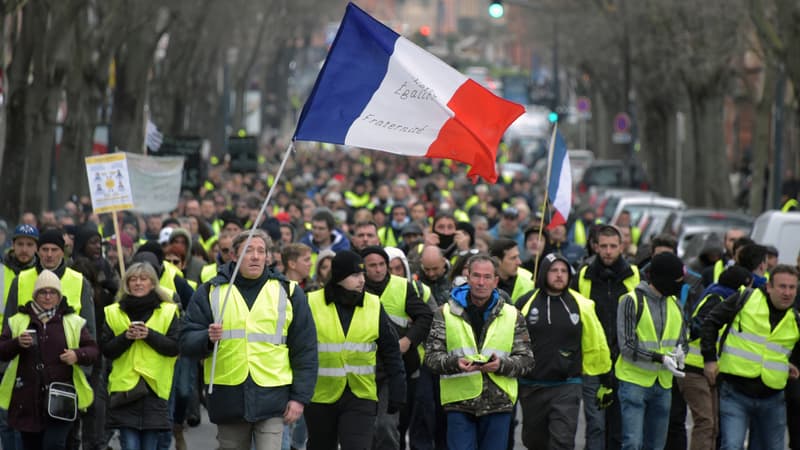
[153, 138]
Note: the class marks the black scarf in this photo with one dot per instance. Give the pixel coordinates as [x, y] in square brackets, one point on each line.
[334, 293]
[140, 308]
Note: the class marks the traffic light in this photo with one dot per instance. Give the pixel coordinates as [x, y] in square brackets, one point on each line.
[552, 117]
[496, 9]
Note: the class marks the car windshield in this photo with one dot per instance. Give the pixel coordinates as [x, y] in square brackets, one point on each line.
[604, 176]
[653, 210]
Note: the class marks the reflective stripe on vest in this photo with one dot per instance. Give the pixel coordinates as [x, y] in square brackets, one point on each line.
[71, 287]
[461, 343]
[140, 360]
[645, 373]
[73, 324]
[393, 300]
[522, 285]
[253, 339]
[585, 285]
[345, 360]
[753, 350]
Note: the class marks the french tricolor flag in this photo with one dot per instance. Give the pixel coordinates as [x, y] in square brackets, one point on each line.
[380, 91]
[559, 184]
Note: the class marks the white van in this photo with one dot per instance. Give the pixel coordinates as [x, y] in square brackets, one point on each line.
[782, 230]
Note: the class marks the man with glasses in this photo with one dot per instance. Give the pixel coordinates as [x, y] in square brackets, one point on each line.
[479, 345]
[223, 256]
[260, 314]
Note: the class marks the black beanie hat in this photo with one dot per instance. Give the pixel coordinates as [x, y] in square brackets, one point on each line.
[735, 277]
[154, 248]
[344, 264]
[52, 236]
[665, 268]
[469, 229]
[376, 250]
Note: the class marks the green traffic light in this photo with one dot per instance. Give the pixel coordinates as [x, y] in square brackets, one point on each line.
[552, 117]
[496, 10]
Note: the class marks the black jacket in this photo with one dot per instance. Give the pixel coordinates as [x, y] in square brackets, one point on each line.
[248, 401]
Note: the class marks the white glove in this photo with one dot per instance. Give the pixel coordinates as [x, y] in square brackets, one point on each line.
[680, 357]
[670, 364]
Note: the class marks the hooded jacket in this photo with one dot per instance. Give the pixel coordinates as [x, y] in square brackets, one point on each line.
[516, 364]
[248, 401]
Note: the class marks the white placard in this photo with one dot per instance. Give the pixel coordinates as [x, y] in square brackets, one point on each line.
[109, 184]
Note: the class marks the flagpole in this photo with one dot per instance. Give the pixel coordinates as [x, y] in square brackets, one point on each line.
[546, 197]
[241, 258]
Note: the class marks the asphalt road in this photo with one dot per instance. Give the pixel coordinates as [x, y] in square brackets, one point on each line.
[204, 436]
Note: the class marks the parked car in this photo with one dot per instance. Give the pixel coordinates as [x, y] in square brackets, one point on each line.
[638, 206]
[782, 230]
[611, 173]
[695, 217]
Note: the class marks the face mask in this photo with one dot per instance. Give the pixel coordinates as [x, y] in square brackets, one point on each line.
[667, 287]
[398, 225]
[445, 240]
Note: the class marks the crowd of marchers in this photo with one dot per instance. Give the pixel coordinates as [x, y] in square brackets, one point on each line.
[369, 314]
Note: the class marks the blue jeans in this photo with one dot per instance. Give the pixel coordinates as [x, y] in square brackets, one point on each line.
[468, 432]
[132, 439]
[9, 437]
[645, 415]
[603, 428]
[295, 435]
[766, 418]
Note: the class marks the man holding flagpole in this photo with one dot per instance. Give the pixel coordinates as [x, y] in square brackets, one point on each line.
[266, 364]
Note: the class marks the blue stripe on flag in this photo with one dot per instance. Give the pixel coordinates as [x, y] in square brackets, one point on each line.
[354, 69]
[559, 156]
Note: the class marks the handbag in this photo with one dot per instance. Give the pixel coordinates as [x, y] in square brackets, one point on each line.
[62, 401]
[118, 399]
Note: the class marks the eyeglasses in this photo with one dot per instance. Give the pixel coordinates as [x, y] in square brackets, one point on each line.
[224, 250]
[175, 261]
[48, 292]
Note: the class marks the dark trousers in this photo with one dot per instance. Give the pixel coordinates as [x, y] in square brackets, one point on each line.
[550, 416]
[405, 412]
[349, 422]
[793, 412]
[428, 428]
[53, 437]
[676, 433]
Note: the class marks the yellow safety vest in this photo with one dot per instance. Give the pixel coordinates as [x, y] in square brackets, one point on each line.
[209, 271]
[387, 236]
[345, 360]
[753, 350]
[461, 343]
[253, 340]
[579, 233]
[694, 358]
[6, 277]
[594, 348]
[71, 287]
[789, 205]
[393, 300]
[585, 285]
[719, 267]
[73, 324]
[522, 285]
[140, 360]
[645, 373]
[168, 275]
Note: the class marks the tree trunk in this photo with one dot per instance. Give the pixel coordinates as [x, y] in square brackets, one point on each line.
[762, 143]
[657, 127]
[714, 189]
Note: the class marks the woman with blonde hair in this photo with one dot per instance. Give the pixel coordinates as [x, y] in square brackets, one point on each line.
[140, 339]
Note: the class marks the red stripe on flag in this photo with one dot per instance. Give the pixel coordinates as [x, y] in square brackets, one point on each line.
[473, 134]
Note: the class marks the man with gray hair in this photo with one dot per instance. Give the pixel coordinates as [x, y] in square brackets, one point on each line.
[266, 362]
